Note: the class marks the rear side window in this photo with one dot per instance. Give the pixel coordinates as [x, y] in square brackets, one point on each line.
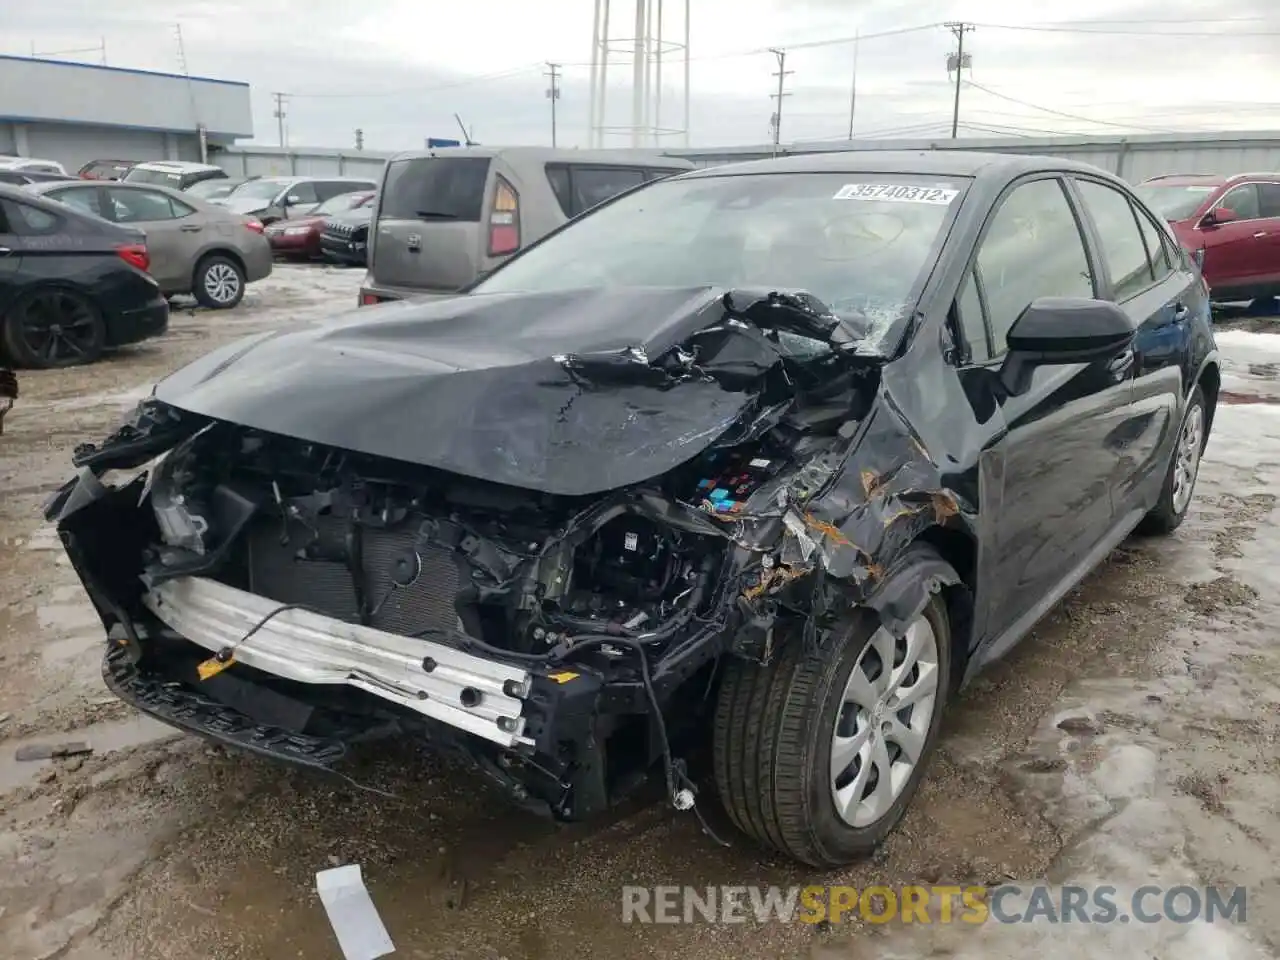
[1122, 244]
[429, 188]
[1269, 199]
[27, 221]
[85, 200]
[558, 177]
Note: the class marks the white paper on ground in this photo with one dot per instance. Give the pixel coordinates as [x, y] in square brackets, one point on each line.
[354, 918]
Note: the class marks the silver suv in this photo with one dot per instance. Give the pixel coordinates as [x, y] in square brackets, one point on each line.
[285, 198]
[445, 217]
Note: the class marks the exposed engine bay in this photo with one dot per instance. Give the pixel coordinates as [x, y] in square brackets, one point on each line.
[560, 633]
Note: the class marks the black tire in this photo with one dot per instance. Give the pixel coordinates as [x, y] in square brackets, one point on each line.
[73, 329]
[1170, 510]
[773, 740]
[216, 273]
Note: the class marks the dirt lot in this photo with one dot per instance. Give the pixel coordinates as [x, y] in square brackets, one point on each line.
[1133, 740]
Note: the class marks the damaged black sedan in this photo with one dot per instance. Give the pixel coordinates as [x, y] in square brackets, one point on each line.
[778, 453]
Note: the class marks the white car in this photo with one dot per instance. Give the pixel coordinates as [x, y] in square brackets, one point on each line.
[31, 165]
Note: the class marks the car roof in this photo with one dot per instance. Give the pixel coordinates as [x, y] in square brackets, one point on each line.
[554, 155]
[936, 163]
[175, 166]
[11, 161]
[1206, 179]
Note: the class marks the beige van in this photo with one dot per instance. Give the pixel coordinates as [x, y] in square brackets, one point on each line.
[444, 217]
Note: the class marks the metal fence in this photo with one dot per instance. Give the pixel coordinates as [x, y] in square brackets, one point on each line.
[1131, 157]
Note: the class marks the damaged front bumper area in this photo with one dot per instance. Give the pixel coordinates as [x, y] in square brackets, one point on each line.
[230, 613]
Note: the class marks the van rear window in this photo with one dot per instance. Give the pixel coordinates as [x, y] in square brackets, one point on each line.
[428, 188]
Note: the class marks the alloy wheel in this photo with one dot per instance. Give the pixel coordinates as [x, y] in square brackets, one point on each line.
[1186, 465]
[58, 328]
[221, 282]
[883, 722]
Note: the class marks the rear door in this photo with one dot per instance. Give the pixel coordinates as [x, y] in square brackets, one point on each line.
[1162, 295]
[427, 231]
[174, 231]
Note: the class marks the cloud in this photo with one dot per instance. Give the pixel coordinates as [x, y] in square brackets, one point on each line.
[400, 69]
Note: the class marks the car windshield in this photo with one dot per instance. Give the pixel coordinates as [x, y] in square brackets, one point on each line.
[340, 204]
[859, 242]
[164, 177]
[1175, 202]
[212, 189]
[258, 189]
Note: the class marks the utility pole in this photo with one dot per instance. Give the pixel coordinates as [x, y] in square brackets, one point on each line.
[553, 94]
[853, 90]
[782, 75]
[280, 115]
[958, 61]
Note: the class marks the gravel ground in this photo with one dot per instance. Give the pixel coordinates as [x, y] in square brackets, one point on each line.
[1132, 740]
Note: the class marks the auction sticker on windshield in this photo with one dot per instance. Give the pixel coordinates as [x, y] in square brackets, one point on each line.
[896, 193]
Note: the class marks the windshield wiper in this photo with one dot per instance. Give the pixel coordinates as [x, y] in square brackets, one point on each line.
[435, 215]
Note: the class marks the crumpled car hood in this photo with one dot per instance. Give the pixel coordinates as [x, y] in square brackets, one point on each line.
[551, 391]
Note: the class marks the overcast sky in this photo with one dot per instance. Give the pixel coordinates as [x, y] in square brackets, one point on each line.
[400, 69]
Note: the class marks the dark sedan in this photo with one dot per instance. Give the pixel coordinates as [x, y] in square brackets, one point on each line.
[71, 285]
[775, 455]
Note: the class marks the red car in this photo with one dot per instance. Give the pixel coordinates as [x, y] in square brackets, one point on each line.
[1231, 225]
[299, 238]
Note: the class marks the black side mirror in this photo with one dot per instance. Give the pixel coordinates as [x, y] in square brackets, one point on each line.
[1059, 330]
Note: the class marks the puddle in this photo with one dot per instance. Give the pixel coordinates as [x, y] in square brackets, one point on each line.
[102, 737]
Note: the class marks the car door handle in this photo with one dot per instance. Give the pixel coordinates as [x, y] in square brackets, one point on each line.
[1121, 365]
[1260, 233]
[5, 251]
[191, 228]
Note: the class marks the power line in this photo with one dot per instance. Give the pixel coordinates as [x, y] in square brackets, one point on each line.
[1060, 113]
[553, 94]
[959, 60]
[1126, 33]
[782, 75]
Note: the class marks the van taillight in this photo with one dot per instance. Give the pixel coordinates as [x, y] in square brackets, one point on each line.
[504, 220]
[368, 299]
[135, 254]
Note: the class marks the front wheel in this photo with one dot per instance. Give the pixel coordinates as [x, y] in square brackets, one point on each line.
[1184, 467]
[817, 754]
[219, 282]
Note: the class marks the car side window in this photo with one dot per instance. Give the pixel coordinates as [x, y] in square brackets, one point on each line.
[1032, 249]
[1269, 199]
[1157, 247]
[595, 185]
[84, 199]
[1242, 201]
[1120, 238]
[972, 322]
[305, 192]
[180, 209]
[25, 220]
[558, 177]
[140, 206]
